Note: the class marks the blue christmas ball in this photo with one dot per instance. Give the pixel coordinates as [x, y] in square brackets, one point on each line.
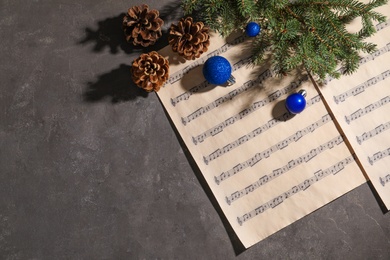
[217, 70]
[252, 29]
[295, 103]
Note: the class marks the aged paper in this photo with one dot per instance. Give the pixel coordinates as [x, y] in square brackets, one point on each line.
[266, 167]
[361, 105]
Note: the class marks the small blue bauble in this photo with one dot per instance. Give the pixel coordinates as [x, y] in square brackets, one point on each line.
[295, 103]
[217, 70]
[252, 29]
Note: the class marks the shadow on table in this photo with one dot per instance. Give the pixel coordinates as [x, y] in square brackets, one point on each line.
[378, 198]
[109, 33]
[236, 243]
[116, 85]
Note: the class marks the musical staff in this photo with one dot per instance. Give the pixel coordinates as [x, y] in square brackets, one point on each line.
[186, 95]
[267, 153]
[364, 111]
[362, 87]
[178, 75]
[246, 86]
[317, 176]
[360, 105]
[363, 60]
[384, 180]
[374, 132]
[378, 156]
[382, 26]
[369, 57]
[280, 171]
[254, 107]
[254, 160]
[254, 133]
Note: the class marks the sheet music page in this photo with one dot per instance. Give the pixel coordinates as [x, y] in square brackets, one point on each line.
[266, 167]
[361, 105]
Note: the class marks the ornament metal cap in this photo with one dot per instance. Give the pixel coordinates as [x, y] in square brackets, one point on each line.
[231, 80]
[302, 92]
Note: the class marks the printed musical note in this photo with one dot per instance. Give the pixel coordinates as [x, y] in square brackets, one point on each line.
[254, 107]
[256, 132]
[334, 169]
[282, 170]
[378, 156]
[282, 144]
[242, 63]
[361, 88]
[179, 74]
[382, 26]
[384, 180]
[363, 60]
[374, 132]
[235, 92]
[364, 111]
[241, 159]
[186, 95]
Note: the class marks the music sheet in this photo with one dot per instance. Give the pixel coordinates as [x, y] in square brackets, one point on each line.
[361, 105]
[266, 167]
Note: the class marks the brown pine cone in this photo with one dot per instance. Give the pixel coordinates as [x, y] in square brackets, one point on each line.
[141, 26]
[189, 39]
[150, 71]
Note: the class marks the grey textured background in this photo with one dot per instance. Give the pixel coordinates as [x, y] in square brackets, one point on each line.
[91, 167]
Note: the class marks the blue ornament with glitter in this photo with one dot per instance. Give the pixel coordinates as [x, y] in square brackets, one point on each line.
[217, 70]
[296, 103]
[252, 29]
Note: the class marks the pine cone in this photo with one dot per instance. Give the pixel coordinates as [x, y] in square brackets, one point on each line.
[141, 26]
[189, 39]
[150, 71]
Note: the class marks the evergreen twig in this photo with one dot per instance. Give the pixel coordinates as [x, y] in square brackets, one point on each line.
[309, 33]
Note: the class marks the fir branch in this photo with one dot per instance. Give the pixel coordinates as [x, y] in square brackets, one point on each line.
[309, 33]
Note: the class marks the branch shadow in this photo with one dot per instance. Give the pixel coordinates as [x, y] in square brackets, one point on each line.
[109, 33]
[116, 85]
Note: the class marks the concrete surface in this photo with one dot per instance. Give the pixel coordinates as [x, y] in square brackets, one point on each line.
[91, 168]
